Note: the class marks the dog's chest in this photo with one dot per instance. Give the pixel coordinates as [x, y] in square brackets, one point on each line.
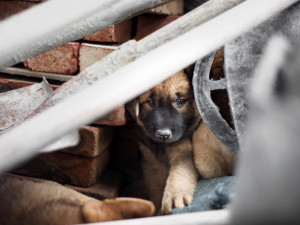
[156, 154]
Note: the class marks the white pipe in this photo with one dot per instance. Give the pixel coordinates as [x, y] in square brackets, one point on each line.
[131, 50]
[132, 80]
[56, 22]
[211, 217]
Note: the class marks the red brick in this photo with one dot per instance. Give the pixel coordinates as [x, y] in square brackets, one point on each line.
[89, 54]
[172, 8]
[115, 118]
[62, 60]
[120, 32]
[93, 141]
[108, 186]
[9, 8]
[66, 168]
[148, 23]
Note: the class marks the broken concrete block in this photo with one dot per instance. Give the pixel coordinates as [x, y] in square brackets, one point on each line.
[172, 8]
[118, 33]
[91, 53]
[66, 168]
[148, 23]
[62, 60]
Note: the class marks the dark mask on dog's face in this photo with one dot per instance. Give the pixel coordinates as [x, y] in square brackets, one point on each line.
[167, 112]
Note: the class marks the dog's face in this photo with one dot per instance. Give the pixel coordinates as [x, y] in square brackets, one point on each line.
[168, 111]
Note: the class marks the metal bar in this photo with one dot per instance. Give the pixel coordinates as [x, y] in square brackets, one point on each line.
[198, 16]
[131, 50]
[132, 80]
[54, 23]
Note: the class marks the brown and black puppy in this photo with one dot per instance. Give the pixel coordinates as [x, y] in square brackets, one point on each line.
[167, 117]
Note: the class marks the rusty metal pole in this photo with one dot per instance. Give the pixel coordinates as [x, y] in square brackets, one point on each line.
[54, 23]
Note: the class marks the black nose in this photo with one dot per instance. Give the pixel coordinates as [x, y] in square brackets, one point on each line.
[163, 134]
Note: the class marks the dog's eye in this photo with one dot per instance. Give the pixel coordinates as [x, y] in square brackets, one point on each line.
[180, 102]
[150, 102]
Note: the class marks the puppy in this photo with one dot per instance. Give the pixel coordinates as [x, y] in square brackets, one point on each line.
[168, 121]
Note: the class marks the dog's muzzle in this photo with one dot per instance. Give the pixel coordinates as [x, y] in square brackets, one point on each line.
[163, 135]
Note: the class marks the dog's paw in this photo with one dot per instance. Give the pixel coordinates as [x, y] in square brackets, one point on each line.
[175, 200]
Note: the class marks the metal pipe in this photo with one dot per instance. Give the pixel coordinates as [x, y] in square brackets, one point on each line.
[200, 15]
[54, 23]
[132, 80]
[131, 50]
[211, 217]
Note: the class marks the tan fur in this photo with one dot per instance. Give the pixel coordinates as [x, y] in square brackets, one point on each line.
[211, 157]
[177, 83]
[34, 201]
[172, 182]
[182, 179]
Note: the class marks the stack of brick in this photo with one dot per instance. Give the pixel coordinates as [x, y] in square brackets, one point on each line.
[82, 166]
[85, 165]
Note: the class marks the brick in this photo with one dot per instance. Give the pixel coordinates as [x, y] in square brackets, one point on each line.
[66, 168]
[9, 8]
[90, 53]
[93, 141]
[62, 60]
[117, 33]
[172, 8]
[115, 118]
[108, 186]
[148, 23]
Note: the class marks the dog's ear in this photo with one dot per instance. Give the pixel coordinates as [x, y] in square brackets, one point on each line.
[133, 108]
[189, 71]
